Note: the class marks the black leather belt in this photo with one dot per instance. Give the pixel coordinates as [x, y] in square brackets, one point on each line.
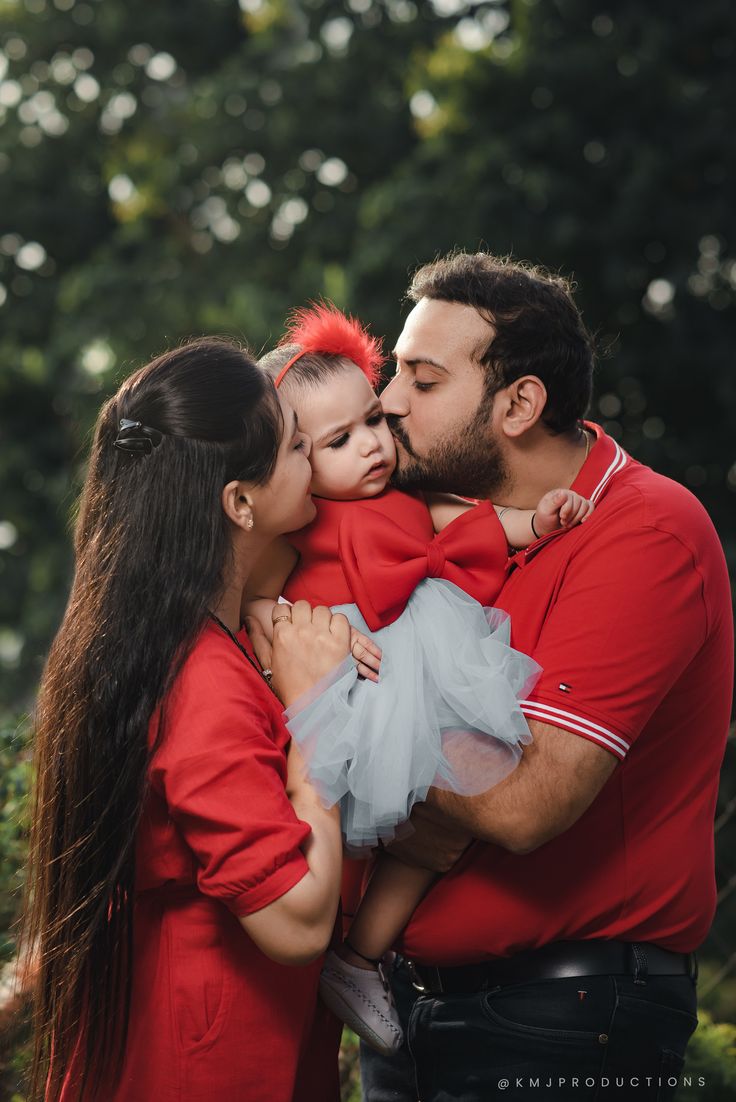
[558, 960]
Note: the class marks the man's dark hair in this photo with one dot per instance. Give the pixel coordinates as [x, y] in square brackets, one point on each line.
[538, 329]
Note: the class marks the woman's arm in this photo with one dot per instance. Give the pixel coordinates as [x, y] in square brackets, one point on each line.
[266, 583]
[296, 928]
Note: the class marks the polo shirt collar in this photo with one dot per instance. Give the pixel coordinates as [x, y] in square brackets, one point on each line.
[605, 460]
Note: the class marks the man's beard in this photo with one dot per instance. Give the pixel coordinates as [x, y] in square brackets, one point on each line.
[471, 464]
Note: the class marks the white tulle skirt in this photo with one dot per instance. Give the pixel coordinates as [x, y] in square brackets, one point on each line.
[445, 713]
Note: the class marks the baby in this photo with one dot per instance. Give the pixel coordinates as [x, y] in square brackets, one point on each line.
[414, 575]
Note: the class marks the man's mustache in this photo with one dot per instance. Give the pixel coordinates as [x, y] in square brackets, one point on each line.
[399, 432]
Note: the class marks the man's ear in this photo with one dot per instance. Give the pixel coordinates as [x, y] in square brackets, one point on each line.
[237, 504]
[523, 404]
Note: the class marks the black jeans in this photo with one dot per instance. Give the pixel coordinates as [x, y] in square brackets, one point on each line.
[592, 1037]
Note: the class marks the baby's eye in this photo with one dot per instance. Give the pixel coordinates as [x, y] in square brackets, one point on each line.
[341, 441]
[376, 418]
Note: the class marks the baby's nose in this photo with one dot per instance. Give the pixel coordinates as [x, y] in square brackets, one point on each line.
[369, 440]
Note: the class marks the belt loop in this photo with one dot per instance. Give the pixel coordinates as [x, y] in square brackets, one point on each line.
[640, 963]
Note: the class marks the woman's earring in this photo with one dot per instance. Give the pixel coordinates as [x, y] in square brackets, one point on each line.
[250, 523]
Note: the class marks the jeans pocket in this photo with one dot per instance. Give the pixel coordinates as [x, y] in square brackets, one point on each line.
[568, 1011]
[465, 1049]
[647, 1043]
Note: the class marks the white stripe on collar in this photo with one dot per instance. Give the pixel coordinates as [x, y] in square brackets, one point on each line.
[619, 461]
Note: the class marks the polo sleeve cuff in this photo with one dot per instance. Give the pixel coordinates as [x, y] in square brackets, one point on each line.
[578, 724]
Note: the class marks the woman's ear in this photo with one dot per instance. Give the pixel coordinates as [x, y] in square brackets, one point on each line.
[237, 504]
[525, 401]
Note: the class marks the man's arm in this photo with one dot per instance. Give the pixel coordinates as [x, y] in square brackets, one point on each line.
[557, 779]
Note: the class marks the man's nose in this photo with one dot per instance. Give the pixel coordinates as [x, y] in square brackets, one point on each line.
[395, 398]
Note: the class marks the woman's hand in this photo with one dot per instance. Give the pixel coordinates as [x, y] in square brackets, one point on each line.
[307, 643]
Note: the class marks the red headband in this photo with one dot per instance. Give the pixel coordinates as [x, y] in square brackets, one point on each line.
[325, 330]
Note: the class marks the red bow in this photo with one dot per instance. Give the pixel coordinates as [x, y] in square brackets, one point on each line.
[384, 564]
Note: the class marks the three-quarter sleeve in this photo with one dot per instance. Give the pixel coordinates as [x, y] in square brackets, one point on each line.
[221, 771]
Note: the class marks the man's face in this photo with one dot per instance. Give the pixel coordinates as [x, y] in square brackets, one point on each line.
[436, 406]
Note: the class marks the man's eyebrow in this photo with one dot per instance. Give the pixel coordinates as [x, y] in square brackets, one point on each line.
[417, 361]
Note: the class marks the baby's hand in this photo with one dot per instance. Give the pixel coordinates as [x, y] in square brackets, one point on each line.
[366, 653]
[561, 509]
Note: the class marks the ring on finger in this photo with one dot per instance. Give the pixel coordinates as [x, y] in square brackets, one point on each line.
[278, 619]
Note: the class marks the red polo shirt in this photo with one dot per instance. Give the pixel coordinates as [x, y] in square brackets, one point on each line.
[630, 617]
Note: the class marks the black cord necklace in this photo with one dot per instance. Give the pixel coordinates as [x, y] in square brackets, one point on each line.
[242, 649]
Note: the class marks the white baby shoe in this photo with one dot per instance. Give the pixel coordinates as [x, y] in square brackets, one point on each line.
[362, 999]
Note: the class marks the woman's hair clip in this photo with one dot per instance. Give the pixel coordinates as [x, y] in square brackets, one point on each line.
[136, 438]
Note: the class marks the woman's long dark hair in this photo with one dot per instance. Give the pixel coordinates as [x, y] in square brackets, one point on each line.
[152, 548]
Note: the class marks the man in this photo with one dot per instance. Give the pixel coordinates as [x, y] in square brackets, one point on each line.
[558, 952]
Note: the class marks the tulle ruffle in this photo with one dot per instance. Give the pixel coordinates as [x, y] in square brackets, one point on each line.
[444, 713]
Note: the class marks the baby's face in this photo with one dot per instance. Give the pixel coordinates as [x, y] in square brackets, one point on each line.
[353, 453]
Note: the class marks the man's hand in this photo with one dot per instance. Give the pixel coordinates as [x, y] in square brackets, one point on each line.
[436, 844]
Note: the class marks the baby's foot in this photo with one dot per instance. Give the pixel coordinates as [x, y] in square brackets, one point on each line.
[361, 997]
[560, 509]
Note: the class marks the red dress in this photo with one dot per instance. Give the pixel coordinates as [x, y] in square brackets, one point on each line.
[213, 1018]
[375, 551]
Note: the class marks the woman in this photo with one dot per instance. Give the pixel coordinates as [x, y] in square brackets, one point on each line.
[184, 877]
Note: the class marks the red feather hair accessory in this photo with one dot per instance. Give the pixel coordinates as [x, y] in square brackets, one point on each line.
[325, 330]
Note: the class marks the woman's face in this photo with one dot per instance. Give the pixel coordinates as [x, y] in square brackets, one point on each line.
[284, 503]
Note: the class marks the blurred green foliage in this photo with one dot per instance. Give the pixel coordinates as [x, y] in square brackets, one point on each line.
[171, 169]
[711, 1059]
[14, 782]
[175, 168]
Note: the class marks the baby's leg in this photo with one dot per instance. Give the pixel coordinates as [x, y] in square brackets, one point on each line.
[352, 984]
[394, 891]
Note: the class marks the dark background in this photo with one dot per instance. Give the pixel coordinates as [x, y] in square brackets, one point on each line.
[183, 167]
